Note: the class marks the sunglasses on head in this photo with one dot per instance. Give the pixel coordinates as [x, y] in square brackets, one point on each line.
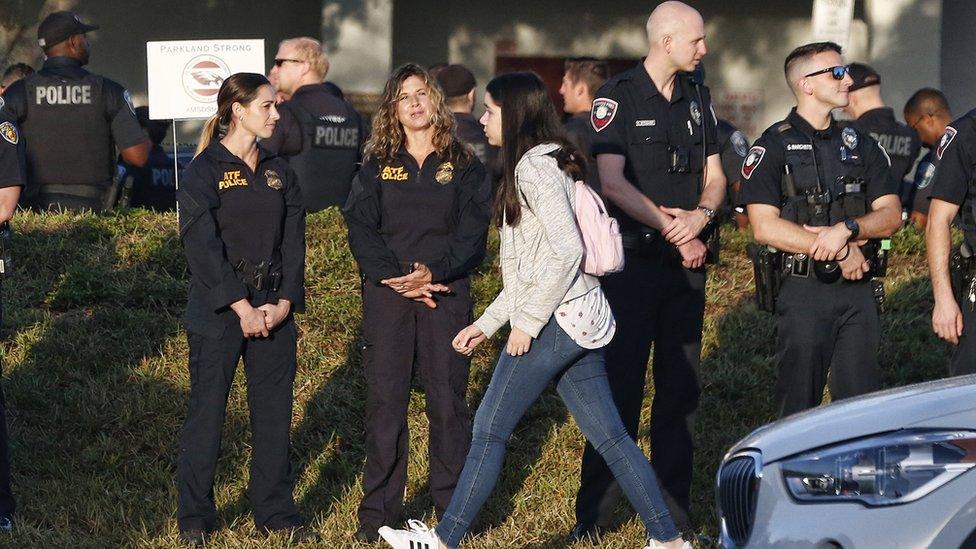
[838, 72]
[280, 62]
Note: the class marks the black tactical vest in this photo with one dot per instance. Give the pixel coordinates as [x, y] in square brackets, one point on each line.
[827, 173]
[69, 131]
[327, 162]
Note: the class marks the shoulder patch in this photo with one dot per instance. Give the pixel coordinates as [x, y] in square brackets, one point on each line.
[752, 160]
[602, 113]
[9, 133]
[947, 137]
[739, 143]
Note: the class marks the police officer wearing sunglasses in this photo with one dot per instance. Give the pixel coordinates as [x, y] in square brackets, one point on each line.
[816, 195]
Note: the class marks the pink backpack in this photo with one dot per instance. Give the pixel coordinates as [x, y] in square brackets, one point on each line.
[604, 249]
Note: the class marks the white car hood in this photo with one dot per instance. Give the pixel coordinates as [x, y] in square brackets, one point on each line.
[890, 410]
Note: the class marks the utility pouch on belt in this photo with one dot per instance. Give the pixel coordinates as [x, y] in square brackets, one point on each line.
[766, 275]
[258, 277]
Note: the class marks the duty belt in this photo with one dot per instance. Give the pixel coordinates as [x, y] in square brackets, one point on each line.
[79, 191]
[644, 243]
[258, 277]
[797, 265]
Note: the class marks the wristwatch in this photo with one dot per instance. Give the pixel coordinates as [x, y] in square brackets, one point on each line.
[709, 213]
[852, 226]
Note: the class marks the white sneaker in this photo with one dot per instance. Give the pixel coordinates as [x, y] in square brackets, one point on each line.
[652, 544]
[416, 536]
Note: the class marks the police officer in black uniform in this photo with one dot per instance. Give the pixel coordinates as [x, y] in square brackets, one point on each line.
[582, 77]
[418, 223]
[953, 198]
[152, 186]
[814, 190]
[320, 133]
[873, 117]
[927, 112]
[458, 84]
[732, 147]
[242, 225]
[13, 175]
[654, 136]
[72, 120]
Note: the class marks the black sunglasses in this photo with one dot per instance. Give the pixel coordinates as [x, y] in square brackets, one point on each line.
[280, 62]
[838, 72]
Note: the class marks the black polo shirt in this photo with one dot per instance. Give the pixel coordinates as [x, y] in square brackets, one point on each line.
[436, 214]
[899, 141]
[813, 155]
[630, 117]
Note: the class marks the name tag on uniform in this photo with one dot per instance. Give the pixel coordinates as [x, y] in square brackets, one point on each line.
[645, 123]
[799, 147]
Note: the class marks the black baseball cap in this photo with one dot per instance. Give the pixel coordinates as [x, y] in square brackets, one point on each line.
[59, 26]
[455, 80]
[863, 76]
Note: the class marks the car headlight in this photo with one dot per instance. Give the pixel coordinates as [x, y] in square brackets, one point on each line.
[888, 469]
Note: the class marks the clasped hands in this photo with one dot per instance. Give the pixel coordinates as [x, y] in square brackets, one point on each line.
[260, 321]
[830, 245]
[683, 231]
[417, 285]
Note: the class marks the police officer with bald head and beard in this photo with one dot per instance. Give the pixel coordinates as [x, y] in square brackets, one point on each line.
[72, 120]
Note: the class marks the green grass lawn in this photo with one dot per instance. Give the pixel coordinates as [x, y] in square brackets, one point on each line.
[96, 384]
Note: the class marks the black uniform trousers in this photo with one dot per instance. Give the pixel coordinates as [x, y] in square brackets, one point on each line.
[269, 364]
[821, 327]
[399, 333]
[964, 355]
[7, 503]
[654, 300]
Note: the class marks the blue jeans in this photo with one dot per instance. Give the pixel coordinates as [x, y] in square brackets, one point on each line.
[581, 382]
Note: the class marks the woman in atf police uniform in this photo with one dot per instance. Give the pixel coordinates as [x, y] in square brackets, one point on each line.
[242, 225]
[418, 220]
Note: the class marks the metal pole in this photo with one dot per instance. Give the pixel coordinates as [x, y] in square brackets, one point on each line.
[176, 171]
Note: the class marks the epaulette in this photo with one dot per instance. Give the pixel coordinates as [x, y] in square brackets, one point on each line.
[784, 127]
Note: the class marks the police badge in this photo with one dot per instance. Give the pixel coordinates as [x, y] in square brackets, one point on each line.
[695, 111]
[273, 180]
[9, 132]
[849, 137]
[444, 173]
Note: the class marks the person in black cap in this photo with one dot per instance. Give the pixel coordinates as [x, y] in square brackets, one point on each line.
[73, 120]
[582, 77]
[927, 112]
[13, 176]
[152, 186]
[320, 133]
[871, 116]
[458, 84]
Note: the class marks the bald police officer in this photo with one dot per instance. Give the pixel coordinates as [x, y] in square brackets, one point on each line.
[873, 117]
[13, 167]
[73, 120]
[319, 133]
[655, 146]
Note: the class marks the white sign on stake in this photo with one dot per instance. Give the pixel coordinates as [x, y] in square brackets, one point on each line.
[832, 21]
[185, 75]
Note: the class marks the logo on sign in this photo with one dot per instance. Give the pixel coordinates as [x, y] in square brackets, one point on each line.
[202, 77]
